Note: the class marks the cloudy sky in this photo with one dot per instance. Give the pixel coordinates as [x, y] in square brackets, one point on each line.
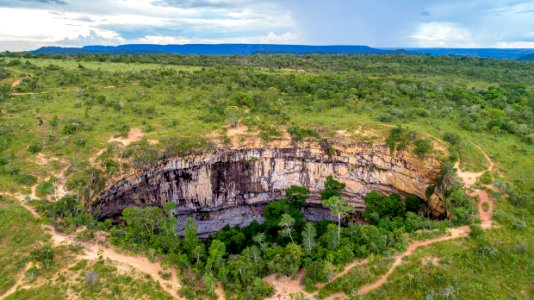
[29, 24]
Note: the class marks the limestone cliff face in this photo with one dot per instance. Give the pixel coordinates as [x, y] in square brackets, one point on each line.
[232, 186]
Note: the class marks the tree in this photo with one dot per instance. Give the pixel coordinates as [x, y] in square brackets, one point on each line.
[378, 207]
[338, 209]
[209, 282]
[298, 195]
[287, 222]
[191, 241]
[234, 114]
[308, 237]
[332, 187]
[141, 223]
[260, 239]
[216, 253]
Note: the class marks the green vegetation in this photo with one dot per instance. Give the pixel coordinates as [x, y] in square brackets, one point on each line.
[19, 234]
[68, 107]
[495, 263]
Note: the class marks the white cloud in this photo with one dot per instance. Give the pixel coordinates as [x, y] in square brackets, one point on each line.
[284, 38]
[164, 40]
[442, 34]
[517, 44]
[48, 28]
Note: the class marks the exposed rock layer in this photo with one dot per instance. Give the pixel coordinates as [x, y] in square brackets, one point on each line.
[232, 186]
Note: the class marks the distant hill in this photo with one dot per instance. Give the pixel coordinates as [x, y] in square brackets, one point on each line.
[250, 49]
[527, 57]
[214, 49]
[497, 53]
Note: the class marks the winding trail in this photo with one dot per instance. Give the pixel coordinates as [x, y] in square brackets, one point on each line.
[94, 250]
[469, 179]
[453, 233]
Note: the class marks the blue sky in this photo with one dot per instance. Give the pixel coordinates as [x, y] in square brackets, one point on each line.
[29, 24]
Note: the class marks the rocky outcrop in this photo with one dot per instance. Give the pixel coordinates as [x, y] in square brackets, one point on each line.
[231, 187]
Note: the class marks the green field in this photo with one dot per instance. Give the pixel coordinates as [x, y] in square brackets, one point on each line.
[66, 109]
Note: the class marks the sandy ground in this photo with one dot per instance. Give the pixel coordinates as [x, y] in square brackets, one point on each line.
[285, 286]
[16, 83]
[134, 135]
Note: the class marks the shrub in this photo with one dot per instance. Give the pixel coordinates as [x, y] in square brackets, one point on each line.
[43, 254]
[422, 147]
[35, 148]
[452, 138]
[519, 225]
[91, 279]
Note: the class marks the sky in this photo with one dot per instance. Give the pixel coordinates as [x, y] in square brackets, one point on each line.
[30, 24]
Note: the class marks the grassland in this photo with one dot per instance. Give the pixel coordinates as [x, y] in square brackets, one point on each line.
[78, 105]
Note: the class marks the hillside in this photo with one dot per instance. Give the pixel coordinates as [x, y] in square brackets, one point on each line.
[265, 176]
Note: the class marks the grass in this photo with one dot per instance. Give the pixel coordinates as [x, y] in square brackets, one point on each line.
[19, 233]
[110, 283]
[358, 277]
[169, 110]
[498, 267]
[43, 292]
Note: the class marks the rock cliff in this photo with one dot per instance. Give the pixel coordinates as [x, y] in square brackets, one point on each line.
[231, 187]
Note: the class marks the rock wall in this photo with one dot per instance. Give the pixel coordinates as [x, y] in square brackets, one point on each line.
[232, 186]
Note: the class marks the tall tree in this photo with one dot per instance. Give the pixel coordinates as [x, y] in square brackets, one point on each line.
[287, 223]
[308, 237]
[339, 209]
[191, 239]
[216, 253]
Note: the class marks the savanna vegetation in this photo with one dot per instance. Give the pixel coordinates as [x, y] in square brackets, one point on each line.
[65, 109]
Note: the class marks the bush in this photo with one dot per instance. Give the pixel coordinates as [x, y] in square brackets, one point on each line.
[43, 254]
[35, 148]
[452, 138]
[299, 133]
[422, 147]
[477, 232]
[519, 225]
[519, 200]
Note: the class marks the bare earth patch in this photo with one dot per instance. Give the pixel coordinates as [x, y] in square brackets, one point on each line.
[284, 286]
[16, 83]
[134, 135]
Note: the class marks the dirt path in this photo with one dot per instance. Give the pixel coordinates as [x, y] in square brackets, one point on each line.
[16, 83]
[284, 286]
[453, 233]
[346, 270]
[17, 284]
[485, 217]
[470, 178]
[93, 251]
